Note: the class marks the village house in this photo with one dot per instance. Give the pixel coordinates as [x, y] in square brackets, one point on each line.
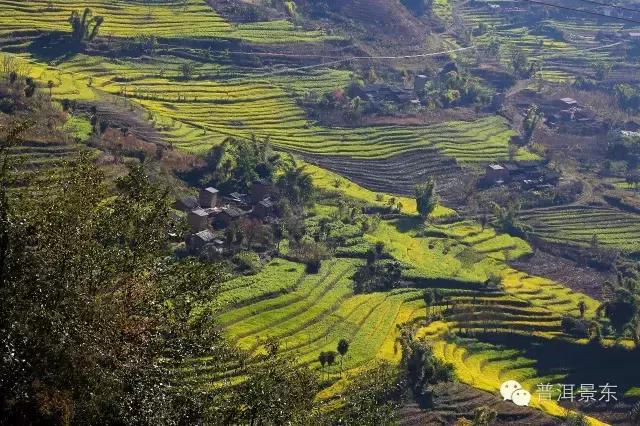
[186, 204]
[208, 197]
[568, 103]
[198, 219]
[228, 215]
[495, 173]
[384, 93]
[264, 208]
[237, 199]
[260, 189]
[205, 244]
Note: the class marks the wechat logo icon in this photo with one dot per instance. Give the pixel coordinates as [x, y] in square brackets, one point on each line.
[512, 391]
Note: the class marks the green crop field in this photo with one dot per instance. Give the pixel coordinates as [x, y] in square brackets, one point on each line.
[578, 225]
[167, 18]
[561, 59]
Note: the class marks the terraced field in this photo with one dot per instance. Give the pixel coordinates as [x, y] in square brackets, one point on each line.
[395, 175]
[311, 313]
[164, 18]
[562, 60]
[578, 225]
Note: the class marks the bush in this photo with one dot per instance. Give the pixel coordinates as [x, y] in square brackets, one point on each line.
[575, 326]
[247, 262]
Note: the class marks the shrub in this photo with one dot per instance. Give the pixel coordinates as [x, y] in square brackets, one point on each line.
[575, 326]
[247, 262]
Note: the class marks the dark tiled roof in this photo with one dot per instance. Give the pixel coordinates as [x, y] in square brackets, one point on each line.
[206, 236]
[234, 211]
[189, 202]
[199, 212]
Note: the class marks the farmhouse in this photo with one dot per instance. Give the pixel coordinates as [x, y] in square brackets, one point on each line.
[228, 215]
[205, 244]
[264, 208]
[238, 199]
[208, 197]
[386, 93]
[495, 173]
[568, 102]
[186, 204]
[260, 189]
[198, 219]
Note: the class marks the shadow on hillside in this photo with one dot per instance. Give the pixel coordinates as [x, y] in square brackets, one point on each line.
[408, 223]
[590, 363]
[53, 47]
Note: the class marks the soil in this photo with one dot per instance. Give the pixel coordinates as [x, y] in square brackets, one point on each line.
[398, 174]
[567, 272]
[453, 401]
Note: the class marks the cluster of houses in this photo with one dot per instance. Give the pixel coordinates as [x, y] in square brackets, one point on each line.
[377, 93]
[210, 213]
[506, 7]
[524, 174]
[567, 115]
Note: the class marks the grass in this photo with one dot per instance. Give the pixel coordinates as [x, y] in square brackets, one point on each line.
[79, 127]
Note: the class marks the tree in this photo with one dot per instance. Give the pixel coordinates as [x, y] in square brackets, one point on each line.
[84, 277]
[84, 28]
[621, 309]
[582, 307]
[50, 86]
[187, 69]
[531, 122]
[418, 7]
[602, 69]
[426, 198]
[297, 186]
[421, 368]
[429, 297]
[519, 61]
[371, 398]
[343, 348]
[278, 390]
[507, 219]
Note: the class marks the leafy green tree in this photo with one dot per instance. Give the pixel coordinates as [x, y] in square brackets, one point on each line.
[187, 69]
[621, 309]
[85, 278]
[370, 399]
[297, 186]
[602, 69]
[85, 27]
[520, 61]
[426, 198]
[429, 297]
[582, 308]
[343, 348]
[507, 219]
[531, 122]
[422, 368]
[277, 391]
